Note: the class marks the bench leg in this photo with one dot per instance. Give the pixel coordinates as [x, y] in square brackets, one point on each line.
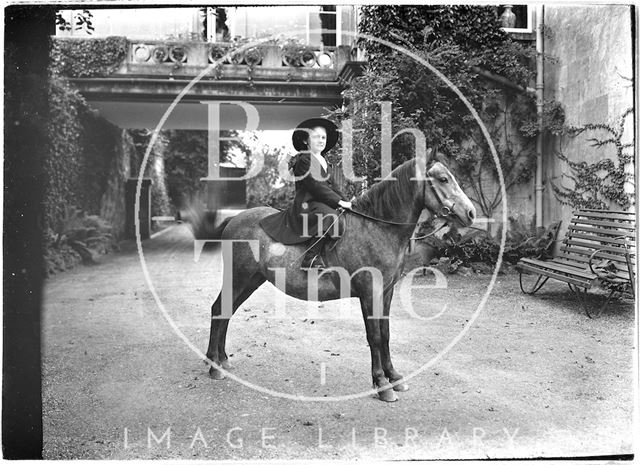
[592, 307]
[536, 287]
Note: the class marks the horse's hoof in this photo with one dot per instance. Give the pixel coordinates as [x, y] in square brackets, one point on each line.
[215, 373]
[387, 395]
[226, 365]
[400, 387]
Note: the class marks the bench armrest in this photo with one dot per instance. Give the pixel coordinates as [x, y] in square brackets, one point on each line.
[604, 275]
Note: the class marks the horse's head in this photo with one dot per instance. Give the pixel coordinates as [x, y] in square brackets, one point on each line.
[444, 198]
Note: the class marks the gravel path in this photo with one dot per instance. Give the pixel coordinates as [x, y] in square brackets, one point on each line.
[532, 377]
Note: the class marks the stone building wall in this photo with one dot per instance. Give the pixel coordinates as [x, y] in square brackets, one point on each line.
[590, 75]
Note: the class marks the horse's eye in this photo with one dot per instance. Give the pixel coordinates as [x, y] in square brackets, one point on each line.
[444, 180]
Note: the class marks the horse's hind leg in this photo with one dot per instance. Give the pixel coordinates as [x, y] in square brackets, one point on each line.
[220, 321]
[389, 371]
[254, 283]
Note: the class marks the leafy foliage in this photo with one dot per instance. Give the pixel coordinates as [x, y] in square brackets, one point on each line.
[364, 110]
[268, 188]
[477, 246]
[87, 234]
[81, 148]
[76, 237]
[83, 22]
[464, 43]
[553, 120]
[597, 184]
[472, 29]
[186, 161]
[155, 168]
[87, 57]
[63, 165]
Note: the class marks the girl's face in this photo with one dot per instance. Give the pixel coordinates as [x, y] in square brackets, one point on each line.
[317, 139]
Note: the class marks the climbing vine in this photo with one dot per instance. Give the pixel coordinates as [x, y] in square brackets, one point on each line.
[87, 57]
[595, 185]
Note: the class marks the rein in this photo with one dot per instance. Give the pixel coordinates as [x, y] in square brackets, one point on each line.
[414, 238]
[380, 220]
[418, 238]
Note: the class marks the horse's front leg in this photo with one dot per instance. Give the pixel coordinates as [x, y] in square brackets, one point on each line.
[215, 336]
[389, 371]
[372, 315]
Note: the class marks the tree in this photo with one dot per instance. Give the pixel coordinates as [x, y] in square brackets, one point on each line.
[268, 188]
[83, 21]
[186, 161]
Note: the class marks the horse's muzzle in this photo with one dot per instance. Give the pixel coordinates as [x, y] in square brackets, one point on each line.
[464, 219]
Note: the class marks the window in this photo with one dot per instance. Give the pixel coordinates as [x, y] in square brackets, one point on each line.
[523, 17]
[140, 23]
[325, 25]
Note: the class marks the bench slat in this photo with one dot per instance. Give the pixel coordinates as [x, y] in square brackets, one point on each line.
[606, 215]
[580, 262]
[609, 224]
[573, 253]
[581, 272]
[619, 274]
[552, 274]
[608, 232]
[585, 254]
[599, 210]
[598, 239]
[589, 246]
[584, 274]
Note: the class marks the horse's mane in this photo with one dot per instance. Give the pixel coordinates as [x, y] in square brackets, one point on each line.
[389, 196]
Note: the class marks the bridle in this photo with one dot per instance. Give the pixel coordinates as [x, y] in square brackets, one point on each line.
[445, 210]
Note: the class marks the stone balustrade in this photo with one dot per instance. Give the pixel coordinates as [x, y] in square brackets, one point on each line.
[265, 60]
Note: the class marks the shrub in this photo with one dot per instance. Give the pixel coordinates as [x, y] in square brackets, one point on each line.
[76, 237]
[477, 246]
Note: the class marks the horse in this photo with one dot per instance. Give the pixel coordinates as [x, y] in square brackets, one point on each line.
[376, 235]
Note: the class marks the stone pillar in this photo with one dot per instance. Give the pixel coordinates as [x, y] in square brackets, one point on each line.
[271, 57]
[343, 55]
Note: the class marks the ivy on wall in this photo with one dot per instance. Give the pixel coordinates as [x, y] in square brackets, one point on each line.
[80, 170]
[475, 30]
[87, 57]
[467, 45]
[599, 184]
[63, 164]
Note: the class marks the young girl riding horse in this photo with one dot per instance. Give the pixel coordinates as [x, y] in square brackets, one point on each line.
[313, 215]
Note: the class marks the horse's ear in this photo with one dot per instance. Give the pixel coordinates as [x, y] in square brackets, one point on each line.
[434, 155]
[437, 156]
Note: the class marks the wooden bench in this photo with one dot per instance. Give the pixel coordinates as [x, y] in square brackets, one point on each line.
[598, 250]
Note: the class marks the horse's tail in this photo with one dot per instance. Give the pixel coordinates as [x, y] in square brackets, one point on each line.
[203, 223]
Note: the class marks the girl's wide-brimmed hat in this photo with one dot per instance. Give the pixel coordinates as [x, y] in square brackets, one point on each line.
[301, 134]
